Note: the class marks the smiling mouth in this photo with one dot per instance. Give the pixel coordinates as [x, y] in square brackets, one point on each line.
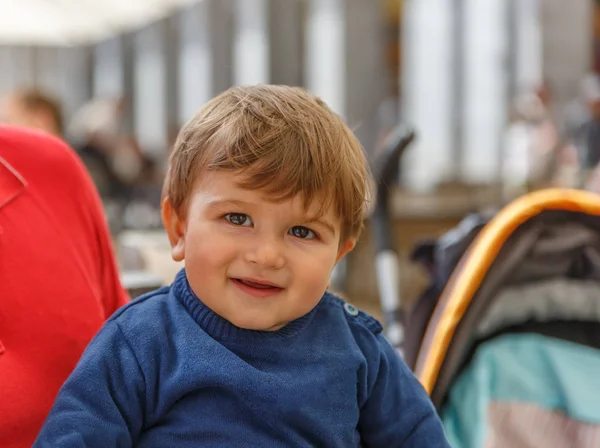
[256, 288]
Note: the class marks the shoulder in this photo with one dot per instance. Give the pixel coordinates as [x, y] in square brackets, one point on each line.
[39, 147]
[365, 336]
[153, 315]
[145, 315]
[145, 308]
[42, 158]
[356, 319]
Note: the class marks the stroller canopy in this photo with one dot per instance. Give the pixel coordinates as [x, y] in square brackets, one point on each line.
[534, 268]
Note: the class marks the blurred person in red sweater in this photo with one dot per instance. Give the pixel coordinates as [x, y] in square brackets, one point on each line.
[58, 275]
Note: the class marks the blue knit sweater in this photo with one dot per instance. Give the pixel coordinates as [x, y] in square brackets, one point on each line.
[165, 371]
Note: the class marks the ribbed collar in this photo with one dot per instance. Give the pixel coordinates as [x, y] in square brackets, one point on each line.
[223, 330]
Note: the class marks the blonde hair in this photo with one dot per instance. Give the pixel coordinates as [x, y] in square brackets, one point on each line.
[286, 142]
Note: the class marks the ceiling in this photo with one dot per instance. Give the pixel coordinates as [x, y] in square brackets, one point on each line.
[74, 22]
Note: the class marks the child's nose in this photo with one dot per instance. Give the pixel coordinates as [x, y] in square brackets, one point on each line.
[268, 253]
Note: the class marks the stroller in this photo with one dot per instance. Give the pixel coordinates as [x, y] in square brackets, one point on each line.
[506, 340]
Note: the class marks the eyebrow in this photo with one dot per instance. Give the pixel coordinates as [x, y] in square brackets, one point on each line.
[325, 224]
[219, 203]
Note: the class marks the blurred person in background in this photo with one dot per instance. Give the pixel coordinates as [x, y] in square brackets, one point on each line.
[58, 276]
[517, 150]
[578, 111]
[530, 136]
[32, 108]
[555, 162]
[536, 155]
[582, 123]
[98, 128]
[112, 157]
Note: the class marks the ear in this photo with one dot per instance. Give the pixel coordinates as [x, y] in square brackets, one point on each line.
[175, 228]
[344, 249]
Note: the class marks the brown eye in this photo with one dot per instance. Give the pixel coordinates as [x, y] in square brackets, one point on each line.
[302, 232]
[238, 219]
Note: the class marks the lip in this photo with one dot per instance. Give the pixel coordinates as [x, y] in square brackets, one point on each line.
[257, 292]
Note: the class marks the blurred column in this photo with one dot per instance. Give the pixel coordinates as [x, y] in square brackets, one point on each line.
[22, 66]
[344, 60]
[325, 62]
[205, 55]
[366, 77]
[251, 42]
[286, 42]
[528, 44]
[76, 79]
[458, 88]
[48, 69]
[427, 85]
[17, 67]
[172, 42]
[65, 73]
[108, 79]
[6, 81]
[486, 80]
[128, 64]
[150, 101]
[113, 69]
[566, 45]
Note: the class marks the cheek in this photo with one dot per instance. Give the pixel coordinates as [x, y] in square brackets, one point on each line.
[208, 249]
[314, 271]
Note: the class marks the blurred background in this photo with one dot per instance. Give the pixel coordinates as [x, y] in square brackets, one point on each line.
[502, 95]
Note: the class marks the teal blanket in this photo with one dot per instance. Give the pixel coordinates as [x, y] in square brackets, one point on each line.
[523, 390]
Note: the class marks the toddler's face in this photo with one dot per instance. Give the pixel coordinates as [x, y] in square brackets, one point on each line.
[257, 263]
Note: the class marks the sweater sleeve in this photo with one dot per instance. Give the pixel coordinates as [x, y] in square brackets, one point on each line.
[397, 410]
[101, 404]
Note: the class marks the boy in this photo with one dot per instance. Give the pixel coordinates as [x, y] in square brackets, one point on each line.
[266, 191]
